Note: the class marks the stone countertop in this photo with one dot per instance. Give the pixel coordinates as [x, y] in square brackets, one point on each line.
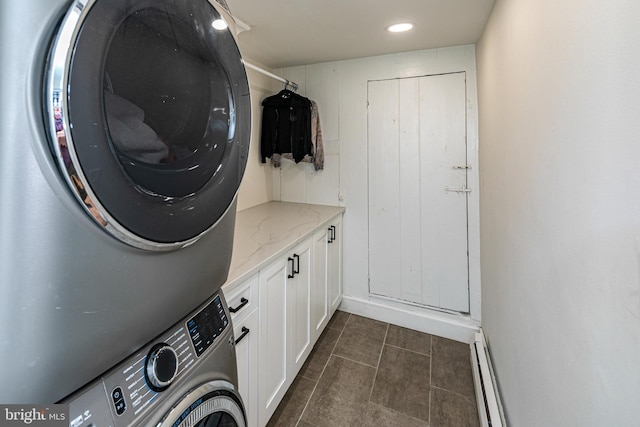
[265, 232]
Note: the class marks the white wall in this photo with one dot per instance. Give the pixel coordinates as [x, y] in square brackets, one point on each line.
[301, 183]
[292, 182]
[340, 89]
[257, 184]
[558, 93]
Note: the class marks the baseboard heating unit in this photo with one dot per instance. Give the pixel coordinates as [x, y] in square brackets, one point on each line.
[487, 396]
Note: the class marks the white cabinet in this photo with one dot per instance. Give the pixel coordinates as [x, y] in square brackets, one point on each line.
[334, 264]
[326, 290]
[319, 300]
[278, 315]
[243, 304]
[298, 306]
[272, 366]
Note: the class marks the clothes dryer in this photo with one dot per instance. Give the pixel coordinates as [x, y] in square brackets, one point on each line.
[125, 129]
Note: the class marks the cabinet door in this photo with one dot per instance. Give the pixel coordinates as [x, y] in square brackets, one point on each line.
[298, 308]
[319, 297]
[272, 375]
[246, 334]
[334, 265]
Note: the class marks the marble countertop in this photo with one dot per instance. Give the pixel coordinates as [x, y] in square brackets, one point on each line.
[265, 232]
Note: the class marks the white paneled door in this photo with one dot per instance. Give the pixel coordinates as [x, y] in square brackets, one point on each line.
[417, 159]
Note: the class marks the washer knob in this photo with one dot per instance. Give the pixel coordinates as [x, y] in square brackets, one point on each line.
[161, 367]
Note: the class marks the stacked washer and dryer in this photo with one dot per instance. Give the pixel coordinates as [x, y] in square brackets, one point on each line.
[125, 129]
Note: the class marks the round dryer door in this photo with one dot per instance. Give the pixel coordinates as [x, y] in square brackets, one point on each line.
[211, 405]
[149, 116]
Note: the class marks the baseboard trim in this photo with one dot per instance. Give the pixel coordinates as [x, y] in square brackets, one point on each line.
[490, 409]
[456, 327]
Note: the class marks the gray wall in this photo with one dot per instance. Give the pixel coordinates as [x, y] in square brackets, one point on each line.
[559, 125]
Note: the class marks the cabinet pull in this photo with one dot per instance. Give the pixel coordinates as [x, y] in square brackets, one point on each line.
[243, 302]
[329, 235]
[293, 268]
[245, 331]
[332, 233]
[297, 270]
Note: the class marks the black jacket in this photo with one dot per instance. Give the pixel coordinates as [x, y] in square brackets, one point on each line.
[286, 126]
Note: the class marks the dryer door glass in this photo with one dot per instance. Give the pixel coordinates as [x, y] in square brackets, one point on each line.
[207, 406]
[153, 104]
[168, 103]
[219, 419]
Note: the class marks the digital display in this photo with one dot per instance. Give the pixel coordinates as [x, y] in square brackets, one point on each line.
[207, 325]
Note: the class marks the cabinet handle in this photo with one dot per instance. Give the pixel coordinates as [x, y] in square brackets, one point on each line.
[332, 233]
[245, 331]
[243, 302]
[293, 268]
[297, 271]
[329, 235]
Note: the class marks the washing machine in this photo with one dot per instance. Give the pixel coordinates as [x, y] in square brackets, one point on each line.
[124, 129]
[185, 377]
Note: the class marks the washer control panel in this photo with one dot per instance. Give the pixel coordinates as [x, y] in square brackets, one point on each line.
[133, 386]
[207, 325]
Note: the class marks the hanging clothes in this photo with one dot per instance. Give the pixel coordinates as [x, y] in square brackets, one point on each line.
[286, 126]
[316, 138]
[316, 141]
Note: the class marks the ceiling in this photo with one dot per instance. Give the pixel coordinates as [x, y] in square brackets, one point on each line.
[286, 33]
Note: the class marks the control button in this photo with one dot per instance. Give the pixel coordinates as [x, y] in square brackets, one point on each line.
[118, 401]
[120, 407]
[161, 366]
[77, 422]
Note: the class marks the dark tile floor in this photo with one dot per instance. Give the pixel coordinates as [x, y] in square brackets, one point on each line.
[363, 372]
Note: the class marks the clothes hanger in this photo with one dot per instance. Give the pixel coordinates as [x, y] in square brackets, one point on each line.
[286, 92]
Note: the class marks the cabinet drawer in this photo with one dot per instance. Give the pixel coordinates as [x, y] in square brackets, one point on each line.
[242, 299]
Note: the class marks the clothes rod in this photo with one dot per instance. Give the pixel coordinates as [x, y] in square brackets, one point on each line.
[273, 76]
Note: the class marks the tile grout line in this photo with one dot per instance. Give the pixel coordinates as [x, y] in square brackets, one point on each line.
[375, 377]
[384, 342]
[339, 356]
[398, 412]
[323, 369]
[464, 396]
[411, 351]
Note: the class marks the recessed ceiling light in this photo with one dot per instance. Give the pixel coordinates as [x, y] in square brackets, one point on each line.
[399, 28]
[219, 24]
